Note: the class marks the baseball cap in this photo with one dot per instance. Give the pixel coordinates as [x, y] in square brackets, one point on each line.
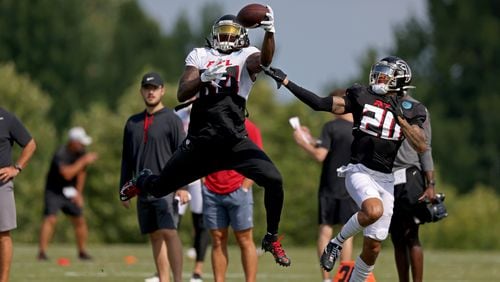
[77, 133]
[152, 78]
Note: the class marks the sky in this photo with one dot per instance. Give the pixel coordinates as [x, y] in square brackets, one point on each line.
[317, 41]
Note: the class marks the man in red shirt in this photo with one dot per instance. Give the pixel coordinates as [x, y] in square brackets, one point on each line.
[227, 200]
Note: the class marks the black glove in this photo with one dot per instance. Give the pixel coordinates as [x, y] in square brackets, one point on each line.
[276, 74]
[395, 108]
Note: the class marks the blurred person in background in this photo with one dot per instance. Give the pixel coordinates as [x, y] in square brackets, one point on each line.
[414, 183]
[201, 238]
[228, 201]
[64, 190]
[11, 131]
[149, 140]
[333, 150]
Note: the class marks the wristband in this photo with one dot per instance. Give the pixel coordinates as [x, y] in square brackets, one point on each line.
[18, 167]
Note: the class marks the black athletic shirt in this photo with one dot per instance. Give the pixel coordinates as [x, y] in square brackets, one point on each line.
[377, 136]
[11, 130]
[55, 181]
[336, 137]
[149, 141]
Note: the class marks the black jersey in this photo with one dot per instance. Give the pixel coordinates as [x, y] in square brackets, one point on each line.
[377, 136]
[55, 180]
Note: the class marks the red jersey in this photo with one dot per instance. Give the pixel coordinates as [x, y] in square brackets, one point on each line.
[227, 181]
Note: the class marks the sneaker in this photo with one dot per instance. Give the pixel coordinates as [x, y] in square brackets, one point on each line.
[42, 256]
[196, 278]
[271, 243]
[154, 278]
[329, 256]
[130, 190]
[84, 256]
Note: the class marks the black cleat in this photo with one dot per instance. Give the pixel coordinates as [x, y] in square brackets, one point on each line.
[84, 256]
[329, 256]
[271, 243]
[130, 189]
[42, 256]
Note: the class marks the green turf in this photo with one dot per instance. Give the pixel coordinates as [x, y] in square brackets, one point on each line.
[109, 265]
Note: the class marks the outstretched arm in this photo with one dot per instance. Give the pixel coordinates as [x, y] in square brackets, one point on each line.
[333, 104]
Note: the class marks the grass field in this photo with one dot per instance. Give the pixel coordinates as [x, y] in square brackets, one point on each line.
[109, 265]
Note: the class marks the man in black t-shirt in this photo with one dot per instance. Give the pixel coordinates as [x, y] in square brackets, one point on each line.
[381, 122]
[11, 131]
[64, 190]
[332, 149]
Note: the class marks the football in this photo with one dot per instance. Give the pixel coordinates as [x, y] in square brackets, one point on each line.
[251, 15]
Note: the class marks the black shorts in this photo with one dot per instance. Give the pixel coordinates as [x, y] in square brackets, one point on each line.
[55, 202]
[192, 161]
[406, 197]
[333, 211]
[157, 213]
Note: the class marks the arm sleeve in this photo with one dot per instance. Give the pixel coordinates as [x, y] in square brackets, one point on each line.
[317, 103]
[19, 133]
[426, 157]
[417, 116]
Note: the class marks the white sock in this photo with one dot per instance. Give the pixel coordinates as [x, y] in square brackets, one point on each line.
[361, 271]
[349, 229]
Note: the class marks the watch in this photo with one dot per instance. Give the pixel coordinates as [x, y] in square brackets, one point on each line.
[18, 167]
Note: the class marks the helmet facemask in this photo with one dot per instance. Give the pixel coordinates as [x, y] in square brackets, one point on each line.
[229, 36]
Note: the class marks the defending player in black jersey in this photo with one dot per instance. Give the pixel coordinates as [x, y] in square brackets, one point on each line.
[381, 122]
[217, 81]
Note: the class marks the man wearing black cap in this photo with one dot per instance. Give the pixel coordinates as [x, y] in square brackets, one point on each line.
[149, 140]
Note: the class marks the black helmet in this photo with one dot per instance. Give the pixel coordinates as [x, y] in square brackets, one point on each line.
[390, 74]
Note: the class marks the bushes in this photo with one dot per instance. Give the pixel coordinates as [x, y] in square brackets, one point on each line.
[472, 222]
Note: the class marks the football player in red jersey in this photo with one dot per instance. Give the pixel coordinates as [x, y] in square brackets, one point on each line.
[217, 81]
[381, 122]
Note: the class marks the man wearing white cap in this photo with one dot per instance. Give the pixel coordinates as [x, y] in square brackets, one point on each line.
[64, 190]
